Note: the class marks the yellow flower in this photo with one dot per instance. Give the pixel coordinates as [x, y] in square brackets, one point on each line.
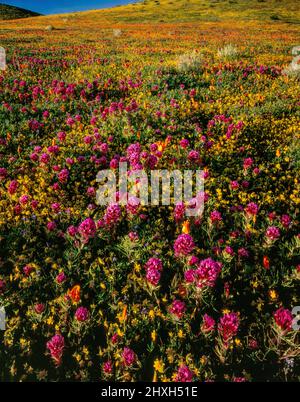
[273, 294]
[203, 360]
[153, 336]
[137, 267]
[180, 334]
[238, 342]
[119, 332]
[159, 365]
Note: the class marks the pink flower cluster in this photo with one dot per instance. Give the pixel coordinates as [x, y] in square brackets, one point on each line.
[273, 233]
[184, 374]
[108, 367]
[87, 229]
[128, 357]
[179, 211]
[153, 270]
[228, 326]
[206, 273]
[56, 346]
[283, 318]
[208, 324]
[82, 314]
[215, 217]
[112, 215]
[251, 209]
[178, 308]
[184, 245]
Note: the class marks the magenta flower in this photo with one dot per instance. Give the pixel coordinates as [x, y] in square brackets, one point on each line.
[112, 215]
[39, 308]
[251, 209]
[208, 324]
[3, 173]
[128, 357]
[184, 143]
[207, 272]
[242, 252]
[184, 245]
[13, 186]
[178, 308]
[184, 374]
[24, 199]
[193, 260]
[179, 211]
[55, 207]
[215, 217]
[273, 233]
[154, 263]
[248, 162]
[63, 175]
[87, 229]
[2, 286]
[27, 269]
[72, 231]
[285, 221]
[133, 205]
[45, 158]
[82, 314]
[51, 226]
[229, 250]
[133, 236]
[228, 326]
[61, 136]
[56, 346]
[239, 379]
[193, 156]
[108, 367]
[190, 275]
[115, 339]
[234, 185]
[113, 164]
[283, 318]
[153, 276]
[61, 277]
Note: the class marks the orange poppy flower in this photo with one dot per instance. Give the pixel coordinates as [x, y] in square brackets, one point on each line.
[266, 262]
[74, 294]
[186, 227]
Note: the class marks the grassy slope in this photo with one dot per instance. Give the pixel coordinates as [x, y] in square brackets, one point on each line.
[207, 10]
[11, 12]
[181, 11]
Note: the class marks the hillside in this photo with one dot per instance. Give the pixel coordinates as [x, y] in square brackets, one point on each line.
[157, 11]
[206, 10]
[10, 12]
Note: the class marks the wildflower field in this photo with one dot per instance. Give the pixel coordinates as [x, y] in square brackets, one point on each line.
[131, 293]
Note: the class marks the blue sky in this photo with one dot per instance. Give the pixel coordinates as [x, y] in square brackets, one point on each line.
[63, 6]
